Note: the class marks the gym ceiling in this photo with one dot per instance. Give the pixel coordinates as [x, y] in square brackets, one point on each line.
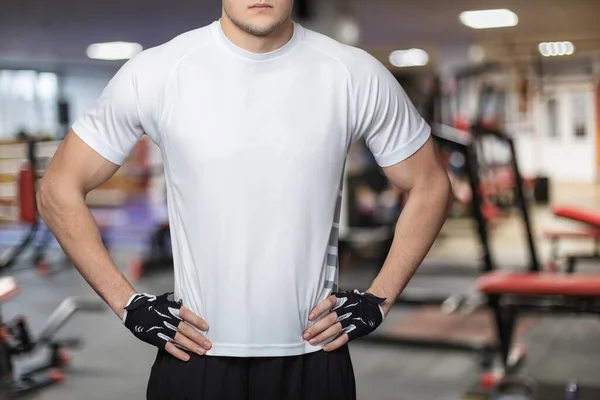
[55, 34]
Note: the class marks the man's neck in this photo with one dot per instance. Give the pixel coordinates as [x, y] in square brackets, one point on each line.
[258, 44]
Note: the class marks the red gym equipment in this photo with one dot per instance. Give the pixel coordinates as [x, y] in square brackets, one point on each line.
[28, 216]
[27, 207]
[589, 217]
[26, 182]
[512, 293]
[590, 229]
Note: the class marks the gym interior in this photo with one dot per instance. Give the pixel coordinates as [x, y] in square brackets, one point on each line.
[506, 303]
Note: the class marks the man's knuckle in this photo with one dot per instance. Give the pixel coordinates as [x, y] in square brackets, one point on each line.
[183, 340]
[198, 338]
[183, 329]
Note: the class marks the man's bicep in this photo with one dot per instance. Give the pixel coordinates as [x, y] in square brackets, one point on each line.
[421, 168]
[77, 164]
[386, 117]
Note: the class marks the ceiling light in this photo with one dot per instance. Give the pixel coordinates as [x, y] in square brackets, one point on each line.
[554, 49]
[409, 58]
[114, 51]
[476, 53]
[486, 19]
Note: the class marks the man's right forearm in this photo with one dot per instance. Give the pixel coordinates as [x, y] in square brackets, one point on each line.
[65, 212]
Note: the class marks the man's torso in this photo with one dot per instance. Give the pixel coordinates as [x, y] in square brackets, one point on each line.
[254, 153]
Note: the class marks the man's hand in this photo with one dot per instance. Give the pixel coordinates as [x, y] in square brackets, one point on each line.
[353, 314]
[166, 324]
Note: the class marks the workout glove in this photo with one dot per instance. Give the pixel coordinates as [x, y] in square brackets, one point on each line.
[152, 319]
[359, 313]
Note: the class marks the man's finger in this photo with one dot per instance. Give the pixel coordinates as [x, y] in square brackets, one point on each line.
[324, 306]
[188, 316]
[320, 326]
[174, 351]
[329, 333]
[199, 339]
[185, 342]
[337, 343]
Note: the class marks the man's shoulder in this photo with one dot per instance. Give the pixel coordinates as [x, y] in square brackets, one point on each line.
[353, 59]
[172, 51]
[152, 67]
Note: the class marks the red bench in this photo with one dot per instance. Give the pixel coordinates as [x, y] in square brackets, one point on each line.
[586, 216]
[540, 284]
[590, 218]
[571, 234]
[511, 293]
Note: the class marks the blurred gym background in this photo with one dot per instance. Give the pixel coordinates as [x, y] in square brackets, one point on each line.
[511, 89]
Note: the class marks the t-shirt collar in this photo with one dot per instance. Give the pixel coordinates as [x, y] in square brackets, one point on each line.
[219, 35]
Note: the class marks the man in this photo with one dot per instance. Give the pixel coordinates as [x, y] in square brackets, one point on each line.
[254, 116]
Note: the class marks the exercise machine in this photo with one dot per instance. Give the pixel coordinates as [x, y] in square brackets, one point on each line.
[493, 189]
[460, 320]
[590, 230]
[16, 341]
[512, 294]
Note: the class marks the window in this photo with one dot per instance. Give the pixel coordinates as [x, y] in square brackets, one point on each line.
[579, 114]
[28, 102]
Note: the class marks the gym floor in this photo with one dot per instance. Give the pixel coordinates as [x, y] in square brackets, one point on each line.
[112, 364]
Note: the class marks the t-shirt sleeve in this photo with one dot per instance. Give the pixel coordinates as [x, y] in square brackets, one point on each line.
[385, 117]
[112, 125]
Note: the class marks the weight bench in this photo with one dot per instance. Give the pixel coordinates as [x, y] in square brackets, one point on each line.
[512, 293]
[588, 217]
[16, 340]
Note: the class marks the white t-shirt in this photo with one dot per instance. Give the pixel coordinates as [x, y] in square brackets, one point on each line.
[254, 148]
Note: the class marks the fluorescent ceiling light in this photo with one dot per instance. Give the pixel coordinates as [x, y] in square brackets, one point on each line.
[554, 49]
[113, 50]
[476, 53]
[486, 19]
[409, 58]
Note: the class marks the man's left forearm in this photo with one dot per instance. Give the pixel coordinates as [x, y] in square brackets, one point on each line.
[416, 230]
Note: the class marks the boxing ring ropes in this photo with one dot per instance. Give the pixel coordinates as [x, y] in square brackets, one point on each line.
[22, 164]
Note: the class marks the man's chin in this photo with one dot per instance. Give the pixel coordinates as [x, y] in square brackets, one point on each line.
[262, 29]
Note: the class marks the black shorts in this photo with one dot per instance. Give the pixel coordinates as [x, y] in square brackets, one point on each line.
[314, 376]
